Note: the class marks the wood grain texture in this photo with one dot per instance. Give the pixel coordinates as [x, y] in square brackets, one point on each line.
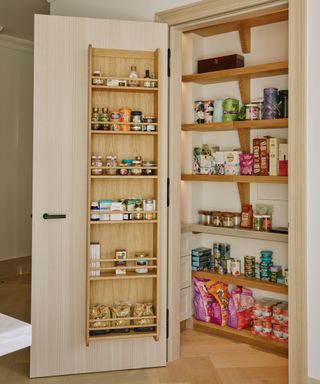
[237, 179]
[234, 232]
[253, 72]
[60, 164]
[297, 245]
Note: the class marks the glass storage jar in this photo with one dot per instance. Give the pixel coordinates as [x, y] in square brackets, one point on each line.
[147, 165]
[227, 220]
[141, 263]
[217, 218]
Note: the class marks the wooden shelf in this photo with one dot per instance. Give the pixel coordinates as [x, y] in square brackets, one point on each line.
[235, 125]
[123, 177]
[243, 281]
[242, 335]
[110, 222]
[106, 88]
[237, 179]
[128, 275]
[129, 335]
[96, 132]
[237, 74]
[121, 123]
[234, 232]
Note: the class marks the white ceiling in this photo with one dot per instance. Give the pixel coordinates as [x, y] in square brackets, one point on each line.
[16, 16]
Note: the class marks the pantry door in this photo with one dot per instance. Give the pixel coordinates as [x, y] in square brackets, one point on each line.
[60, 187]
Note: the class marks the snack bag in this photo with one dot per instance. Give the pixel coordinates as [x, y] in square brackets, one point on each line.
[240, 308]
[220, 292]
[202, 300]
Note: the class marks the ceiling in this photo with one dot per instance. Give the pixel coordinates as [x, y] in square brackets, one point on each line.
[16, 16]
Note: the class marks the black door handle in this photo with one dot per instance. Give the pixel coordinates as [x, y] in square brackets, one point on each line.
[46, 216]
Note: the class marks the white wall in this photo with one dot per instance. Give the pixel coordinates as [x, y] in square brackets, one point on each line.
[140, 10]
[313, 186]
[16, 100]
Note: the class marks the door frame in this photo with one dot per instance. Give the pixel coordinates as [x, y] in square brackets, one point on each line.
[199, 15]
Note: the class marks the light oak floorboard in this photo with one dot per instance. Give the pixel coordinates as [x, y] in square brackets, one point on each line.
[204, 358]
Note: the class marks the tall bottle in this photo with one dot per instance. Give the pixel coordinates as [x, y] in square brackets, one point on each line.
[133, 77]
[147, 82]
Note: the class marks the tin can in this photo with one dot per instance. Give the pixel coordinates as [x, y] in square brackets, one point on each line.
[230, 109]
[285, 333]
[270, 103]
[218, 111]
[267, 328]
[208, 111]
[222, 249]
[198, 112]
[258, 326]
[236, 267]
[252, 112]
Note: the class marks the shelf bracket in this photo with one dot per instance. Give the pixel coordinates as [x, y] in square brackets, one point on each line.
[244, 139]
[245, 38]
[244, 87]
[244, 192]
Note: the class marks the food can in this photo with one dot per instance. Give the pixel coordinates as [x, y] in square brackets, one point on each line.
[267, 328]
[230, 109]
[258, 326]
[236, 267]
[218, 111]
[208, 111]
[252, 112]
[278, 331]
[198, 112]
[222, 249]
[257, 310]
[285, 333]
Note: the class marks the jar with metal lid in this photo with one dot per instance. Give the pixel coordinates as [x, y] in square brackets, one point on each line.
[111, 161]
[153, 82]
[104, 116]
[114, 117]
[149, 208]
[97, 77]
[136, 166]
[136, 116]
[95, 119]
[96, 161]
[138, 209]
[227, 220]
[147, 167]
[141, 263]
[257, 222]
[150, 123]
[217, 218]
[123, 171]
[237, 219]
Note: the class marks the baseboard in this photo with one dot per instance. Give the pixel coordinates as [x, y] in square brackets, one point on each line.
[313, 381]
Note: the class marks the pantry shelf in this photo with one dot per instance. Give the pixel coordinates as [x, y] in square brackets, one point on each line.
[234, 232]
[97, 132]
[235, 125]
[128, 275]
[116, 336]
[242, 335]
[110, 222]
[243, 281]
[106, 88]
[236, 179]
[238, 74]
[124, 177]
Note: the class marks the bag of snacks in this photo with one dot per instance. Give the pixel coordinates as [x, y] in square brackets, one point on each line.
[220, 292]
[121, 310]
[143, 310]
[240, 308]
[100, 313]
[216, 313]
[202, 300]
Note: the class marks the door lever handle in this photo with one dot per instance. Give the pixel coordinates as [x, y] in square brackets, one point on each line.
[46, 216]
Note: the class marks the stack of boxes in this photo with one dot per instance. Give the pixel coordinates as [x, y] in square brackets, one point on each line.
[201, 258]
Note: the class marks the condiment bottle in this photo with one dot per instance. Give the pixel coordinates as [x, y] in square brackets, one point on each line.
[153, 84]
[133, 77]
[147, 83]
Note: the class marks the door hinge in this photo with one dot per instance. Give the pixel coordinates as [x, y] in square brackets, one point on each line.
[167, 323]
[169, 58]
[168, 191]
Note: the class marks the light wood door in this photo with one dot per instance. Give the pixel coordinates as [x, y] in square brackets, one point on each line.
[60, 187]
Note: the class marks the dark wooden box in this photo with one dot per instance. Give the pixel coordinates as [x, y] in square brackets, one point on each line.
[220, 63]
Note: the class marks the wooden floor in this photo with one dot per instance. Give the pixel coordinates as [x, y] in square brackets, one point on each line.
[205, 359]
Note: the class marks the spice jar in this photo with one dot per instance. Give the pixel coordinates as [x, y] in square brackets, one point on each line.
[151, 121]
[227, 220]
[128, 164]
[136, 164]
[111, 161]
[237, 220]
[125, 114]
[147, 170]
[96, 161]
[141, 263]
[114, 117]
[153, 83]
[95, 119]
[138, 209]
[148, 207]
[97, 77]
[216, 218]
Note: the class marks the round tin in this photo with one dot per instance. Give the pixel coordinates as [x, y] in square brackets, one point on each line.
[236, 267]
[252, 112]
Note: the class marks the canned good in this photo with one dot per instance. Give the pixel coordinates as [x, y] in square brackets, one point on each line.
[257, 310]
[208, 111]
[267, 328]
[252, 112]
[236, 267]
[258, 326]
[285, 333]
[198, 112]
[230, 109]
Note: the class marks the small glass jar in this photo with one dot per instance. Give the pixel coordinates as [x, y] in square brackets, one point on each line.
[257, 222]
[123, 171]
[141, 263]
[217, 218]
[227, 220]
[138, 209]
[104, 115]
[111, 161]
[97, 77]
[153, 83]
[150, 126]
[136, 116]
[146, 170]
[266, 223]
[136, 164]
[148, 207]
[114, 117]
[96, 161]
[237, 219]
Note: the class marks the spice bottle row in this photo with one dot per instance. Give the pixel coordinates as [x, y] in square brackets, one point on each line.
[141, 263]
[269, 158]
[131, 80]
[126, 167]
[123, 119]
[124, 209]
[273, 105]
[120, 315]
[219, 260]
[260, 219]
